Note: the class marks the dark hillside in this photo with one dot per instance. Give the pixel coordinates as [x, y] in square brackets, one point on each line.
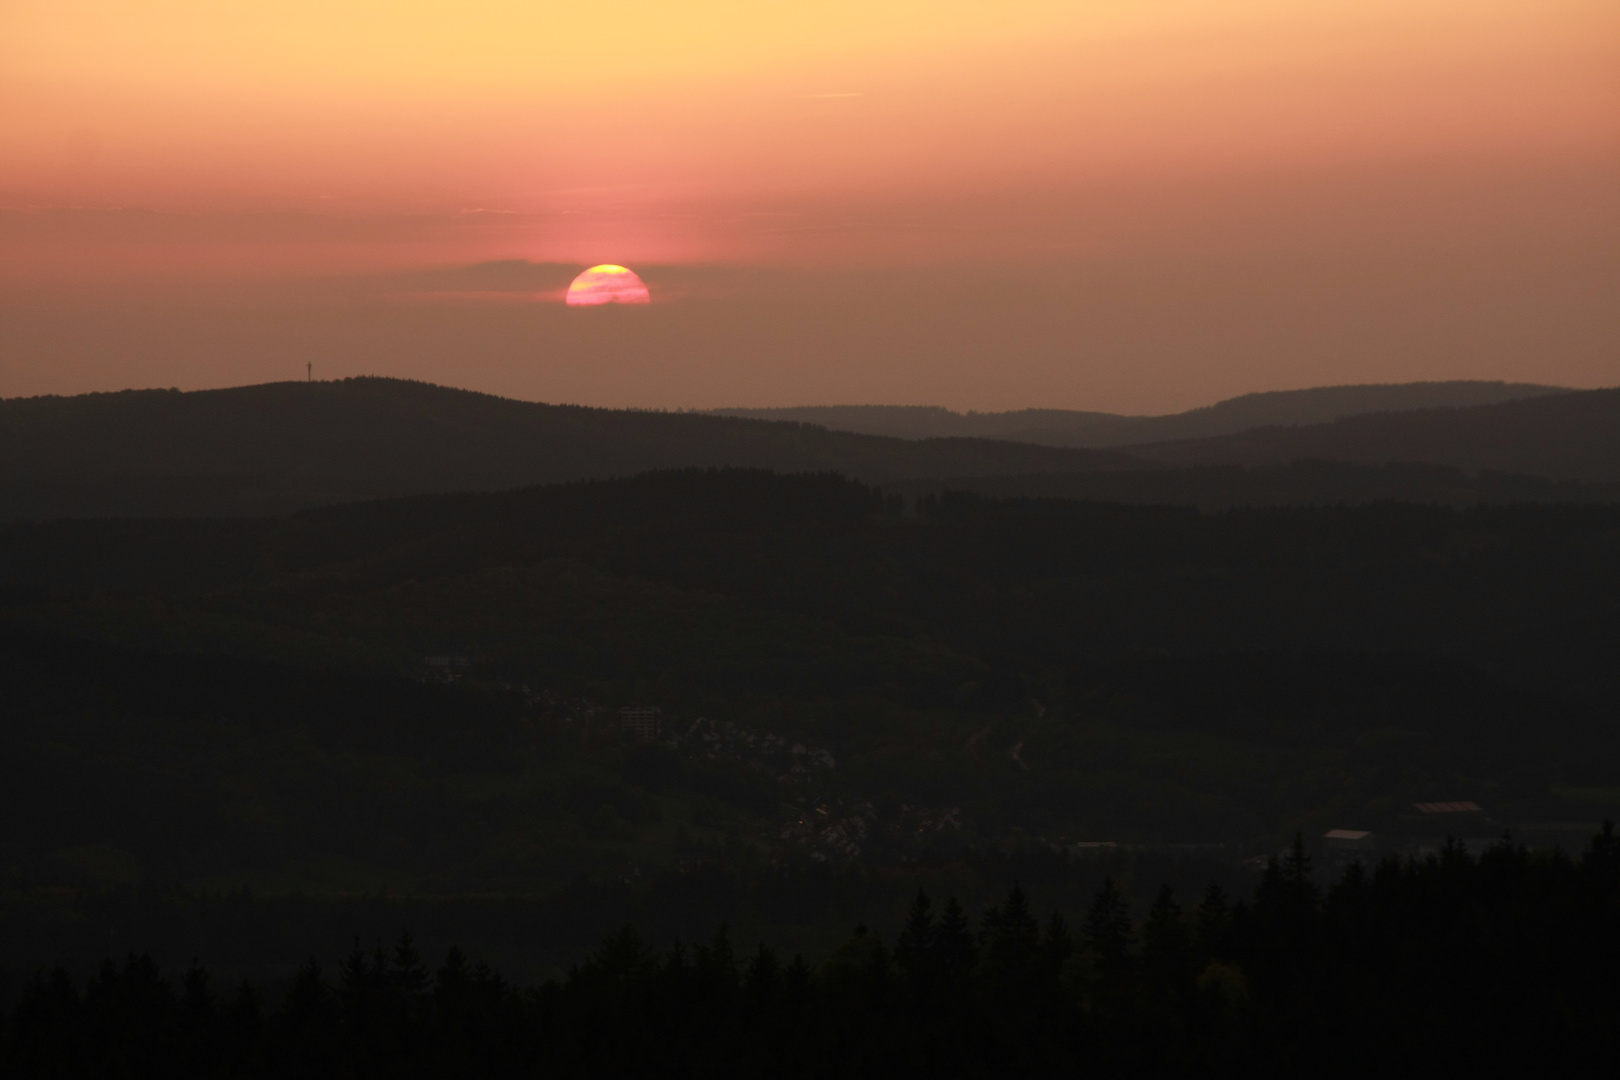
[283, 446]
[1292, 408]
[420, 698]
[719, 586]
[933, 421]
[1291, 483]
[1572, 436]
[1066, 427]
[275, 449]
[1022, 581]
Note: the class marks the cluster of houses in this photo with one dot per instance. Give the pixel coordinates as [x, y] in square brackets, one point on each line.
[837, 830]
[1424, 830]
[725, 739]
[446, 669]
[832, 831]
[924, 820]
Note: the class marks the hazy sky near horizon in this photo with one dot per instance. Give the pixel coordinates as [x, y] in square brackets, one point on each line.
[1132, 205]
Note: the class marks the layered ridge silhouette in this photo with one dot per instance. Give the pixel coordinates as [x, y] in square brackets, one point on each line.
[1067, 427]
[1572, 436]
[279, 447]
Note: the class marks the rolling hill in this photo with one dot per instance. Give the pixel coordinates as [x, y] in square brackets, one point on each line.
[1572, 436]
[1064, 427]
[254, 701]
[279, 447]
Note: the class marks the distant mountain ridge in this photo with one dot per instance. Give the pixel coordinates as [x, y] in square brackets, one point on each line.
[926, 421]
[280, 447]
[1573, 436]
[1097, 430]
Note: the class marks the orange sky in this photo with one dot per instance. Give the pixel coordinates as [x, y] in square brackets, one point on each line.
[1083, 178]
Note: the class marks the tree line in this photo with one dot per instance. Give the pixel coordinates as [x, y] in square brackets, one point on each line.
[1445, 964]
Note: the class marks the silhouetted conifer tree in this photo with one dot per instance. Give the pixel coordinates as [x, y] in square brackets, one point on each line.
[1166, 943]
[915, 950]
[715, 967]
[1056, 948]
[1300, 886]
[763, 980]
[243, 1023]
[1271, 895]
[1214, 925]
[953, 943]
[305, 1027]
[1010, 943]
[1108, 926]
[408, 973]
[453, 979]
[623, 960]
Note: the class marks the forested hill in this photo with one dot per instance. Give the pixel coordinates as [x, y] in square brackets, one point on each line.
[1068, 427]
[283, 446]
[1573, 436]
[420, 696]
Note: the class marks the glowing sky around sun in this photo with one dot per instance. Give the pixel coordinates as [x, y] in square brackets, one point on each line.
[206, 141]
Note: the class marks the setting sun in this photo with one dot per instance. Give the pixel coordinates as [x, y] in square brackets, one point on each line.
[607, 284]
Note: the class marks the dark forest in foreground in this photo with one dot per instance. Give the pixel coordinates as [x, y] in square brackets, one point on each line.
[1443, 966]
